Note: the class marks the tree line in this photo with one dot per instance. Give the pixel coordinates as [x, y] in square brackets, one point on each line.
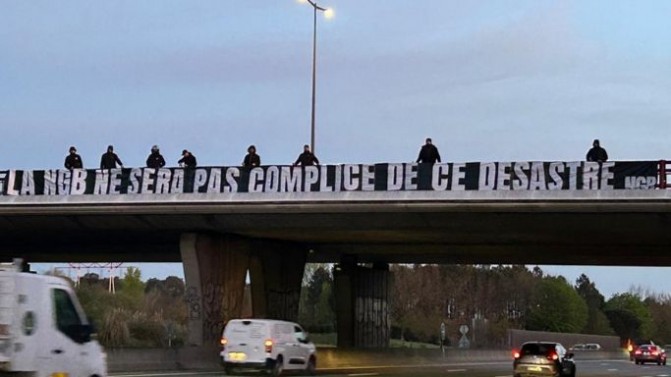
[489, 299]
[493, 299]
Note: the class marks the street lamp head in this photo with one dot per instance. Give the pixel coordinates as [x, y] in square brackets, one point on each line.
[328, 13]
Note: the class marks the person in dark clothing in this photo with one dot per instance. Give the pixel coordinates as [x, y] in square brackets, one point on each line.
[251, 159]
[73, 160]
[155, 160]
[428, 153]
[188, 160]
[596, 153]
[110, 160]
[306, 158]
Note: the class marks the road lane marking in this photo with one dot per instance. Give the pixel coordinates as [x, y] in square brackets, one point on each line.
[162, 374]
[353, 368]
[612, 370]
[455, 370]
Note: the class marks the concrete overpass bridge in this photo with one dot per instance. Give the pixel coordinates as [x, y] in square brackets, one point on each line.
[222, 222]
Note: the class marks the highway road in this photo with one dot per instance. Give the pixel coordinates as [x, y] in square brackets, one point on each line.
[591, 368]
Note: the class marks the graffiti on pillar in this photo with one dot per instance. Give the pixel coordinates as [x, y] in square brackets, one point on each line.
[372, 310]
[231, 305]
[371, 322]
[192, 299]
[213, 321]
[283, 304]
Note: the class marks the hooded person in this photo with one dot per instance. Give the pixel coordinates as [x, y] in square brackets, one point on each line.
[109, 159]
[155, 159]
[597, 153]
[73, 160]
[251, 159]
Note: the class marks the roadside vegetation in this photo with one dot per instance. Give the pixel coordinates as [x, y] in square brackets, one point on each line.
[489, 299]
[149, 314]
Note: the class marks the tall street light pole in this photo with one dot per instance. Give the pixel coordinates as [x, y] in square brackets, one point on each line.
[328, 13]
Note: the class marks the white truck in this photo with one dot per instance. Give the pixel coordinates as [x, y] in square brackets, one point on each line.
[43, 329]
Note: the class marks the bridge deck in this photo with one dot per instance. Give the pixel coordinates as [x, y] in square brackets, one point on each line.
[616, 227]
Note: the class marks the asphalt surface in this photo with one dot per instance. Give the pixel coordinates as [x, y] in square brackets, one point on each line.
[596, 368]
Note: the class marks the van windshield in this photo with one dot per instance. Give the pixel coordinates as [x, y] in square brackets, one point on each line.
[241, 330]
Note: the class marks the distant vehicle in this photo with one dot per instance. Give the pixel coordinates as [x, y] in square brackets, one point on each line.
[577, 347]
[43, 329]
[268, 345]
[543, 359]
[586, 347]
[650, 353]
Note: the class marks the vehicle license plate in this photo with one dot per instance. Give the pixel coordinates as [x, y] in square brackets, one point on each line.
[237, 356]
[534, 369]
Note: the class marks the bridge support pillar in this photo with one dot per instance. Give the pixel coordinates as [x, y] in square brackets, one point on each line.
[215, 268]
[362, 304]
[276, 273]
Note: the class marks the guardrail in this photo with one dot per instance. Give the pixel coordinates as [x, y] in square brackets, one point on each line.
[130, 360]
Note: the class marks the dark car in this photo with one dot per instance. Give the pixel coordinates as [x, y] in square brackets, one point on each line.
[650, 353]
[543, 359]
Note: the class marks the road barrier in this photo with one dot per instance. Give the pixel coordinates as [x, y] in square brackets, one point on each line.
[187, 358]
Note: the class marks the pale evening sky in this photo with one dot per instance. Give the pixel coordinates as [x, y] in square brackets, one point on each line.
[487, 80]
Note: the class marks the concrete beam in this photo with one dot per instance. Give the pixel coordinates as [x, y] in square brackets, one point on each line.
[605, 254]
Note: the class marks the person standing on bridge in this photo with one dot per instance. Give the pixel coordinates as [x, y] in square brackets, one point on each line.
[155, 159]
[188, 160]
[596, 153]
[306, 158]
[429, 153]
[109, 160]
[252, 159]
[73, 160]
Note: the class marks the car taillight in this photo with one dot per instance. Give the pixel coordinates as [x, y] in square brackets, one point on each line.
[638, 352]
[223, 342]
[655, 353]
[553, 356]
[516, 355]
[269, 345]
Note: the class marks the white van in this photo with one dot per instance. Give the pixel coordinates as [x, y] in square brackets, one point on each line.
[43, 329]
[270, 345]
